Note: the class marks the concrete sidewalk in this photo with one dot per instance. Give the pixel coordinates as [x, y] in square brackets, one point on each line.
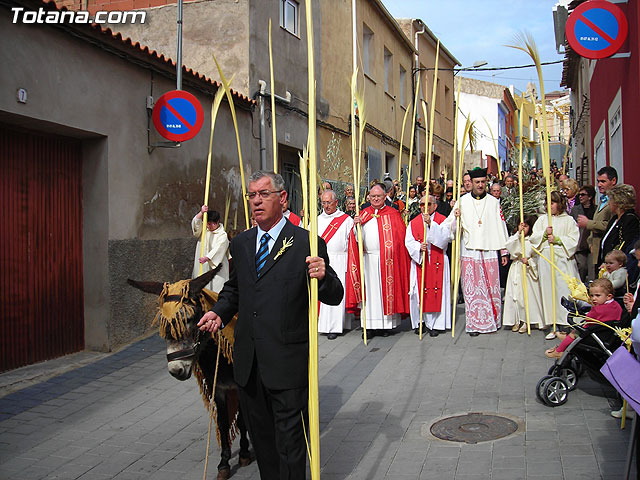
[123, 416]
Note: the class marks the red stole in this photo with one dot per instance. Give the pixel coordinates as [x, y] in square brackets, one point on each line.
[433, 278]
[333, 227]
[353, 292]
[394, 258]
[295, 219]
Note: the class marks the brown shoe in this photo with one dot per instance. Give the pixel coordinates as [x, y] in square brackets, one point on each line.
[553, 353]
[515, 327]
[523, 328]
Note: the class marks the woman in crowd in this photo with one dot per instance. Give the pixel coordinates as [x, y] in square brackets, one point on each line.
[587, 208]
[563, 233]
[624, 227]
[413, 206]
[570, 189]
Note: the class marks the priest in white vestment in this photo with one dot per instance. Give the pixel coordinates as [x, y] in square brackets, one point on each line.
[216, 249]
[484, 232]
[437, 297]
[335, 227]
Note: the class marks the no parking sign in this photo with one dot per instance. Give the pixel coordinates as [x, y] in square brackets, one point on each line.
[596, 29]
[178, 116]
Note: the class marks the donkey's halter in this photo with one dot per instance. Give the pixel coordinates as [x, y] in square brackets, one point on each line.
[189, 352]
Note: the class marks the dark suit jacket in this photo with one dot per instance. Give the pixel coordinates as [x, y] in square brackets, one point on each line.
[626, 230]
[273, 310]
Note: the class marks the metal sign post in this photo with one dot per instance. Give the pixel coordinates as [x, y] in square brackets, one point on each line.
[179, 49]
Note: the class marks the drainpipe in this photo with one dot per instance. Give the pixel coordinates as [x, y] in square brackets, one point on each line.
[354, 34]
[417, 134]
[263, 132]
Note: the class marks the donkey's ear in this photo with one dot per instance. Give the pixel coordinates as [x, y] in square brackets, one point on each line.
[197, 284]
[147, 287]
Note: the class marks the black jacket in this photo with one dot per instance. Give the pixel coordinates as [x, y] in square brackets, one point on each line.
[627, 230]
[273, 310]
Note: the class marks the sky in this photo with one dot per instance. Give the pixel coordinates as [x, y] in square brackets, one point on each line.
[478, 30]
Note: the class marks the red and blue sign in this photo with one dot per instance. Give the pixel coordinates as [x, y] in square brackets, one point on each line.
[596, 29]
[178, 116]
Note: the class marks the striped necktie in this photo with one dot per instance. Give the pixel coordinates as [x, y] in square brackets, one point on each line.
[263, 252]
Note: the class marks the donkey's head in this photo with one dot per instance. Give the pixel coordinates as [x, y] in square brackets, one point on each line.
[180, 306]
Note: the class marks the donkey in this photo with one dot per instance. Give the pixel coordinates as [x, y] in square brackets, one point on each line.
[181, 305]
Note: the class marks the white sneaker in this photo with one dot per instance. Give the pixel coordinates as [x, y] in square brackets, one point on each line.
[618, 413]
[551, 335]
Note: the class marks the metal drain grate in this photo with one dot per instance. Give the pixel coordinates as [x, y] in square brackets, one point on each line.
[474, 428]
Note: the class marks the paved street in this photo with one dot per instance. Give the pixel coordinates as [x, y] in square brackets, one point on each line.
[123, 416]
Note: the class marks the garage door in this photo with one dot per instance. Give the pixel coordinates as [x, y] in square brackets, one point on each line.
[41, 293]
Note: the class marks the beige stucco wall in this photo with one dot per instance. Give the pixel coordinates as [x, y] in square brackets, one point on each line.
[137, 206]
[210, 27]
[382, 108]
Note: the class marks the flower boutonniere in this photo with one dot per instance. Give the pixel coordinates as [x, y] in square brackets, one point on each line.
[285, 245]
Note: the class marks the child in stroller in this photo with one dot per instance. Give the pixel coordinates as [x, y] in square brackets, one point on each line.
[605, 309]
[587, 347]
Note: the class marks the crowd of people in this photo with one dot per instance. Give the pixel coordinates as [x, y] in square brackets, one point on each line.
[406, 268]
[591, 238]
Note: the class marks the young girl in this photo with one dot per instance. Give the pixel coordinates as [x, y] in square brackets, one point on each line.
[514, 307]
[564, 235]
[605, 309]
[614, 270]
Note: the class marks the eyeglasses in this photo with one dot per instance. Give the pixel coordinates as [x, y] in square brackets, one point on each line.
[582, 194]
[329, 203]
[264, 194]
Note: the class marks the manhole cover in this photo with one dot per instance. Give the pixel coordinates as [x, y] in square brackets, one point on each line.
[473, 428]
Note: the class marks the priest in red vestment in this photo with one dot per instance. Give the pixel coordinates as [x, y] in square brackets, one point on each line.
[386, 264]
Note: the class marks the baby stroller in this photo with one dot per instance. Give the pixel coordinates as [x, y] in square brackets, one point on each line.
[590, 350]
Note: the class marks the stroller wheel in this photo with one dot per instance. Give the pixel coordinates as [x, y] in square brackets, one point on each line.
[539, 388]
[555, 392]
[568, 374]
[570, 377]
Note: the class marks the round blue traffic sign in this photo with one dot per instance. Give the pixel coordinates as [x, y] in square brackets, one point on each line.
[178, 116]
[596, 29]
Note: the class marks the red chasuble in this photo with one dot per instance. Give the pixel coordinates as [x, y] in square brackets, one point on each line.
[394, 258]
[432, 301]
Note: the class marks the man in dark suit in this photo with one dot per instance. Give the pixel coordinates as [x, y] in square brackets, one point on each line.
[268, 289]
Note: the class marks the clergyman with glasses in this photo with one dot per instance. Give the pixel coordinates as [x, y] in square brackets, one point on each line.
[436, 302]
